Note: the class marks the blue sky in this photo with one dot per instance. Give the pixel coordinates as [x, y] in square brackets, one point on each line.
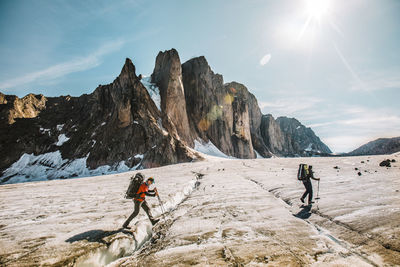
[334, 66]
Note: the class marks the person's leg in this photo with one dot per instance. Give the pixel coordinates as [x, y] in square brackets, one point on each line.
[148, 212]
[310, 192]
[305, 193]
[134, 213]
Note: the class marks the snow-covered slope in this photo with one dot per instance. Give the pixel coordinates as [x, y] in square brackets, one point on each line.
[220, 213]
[51, 166]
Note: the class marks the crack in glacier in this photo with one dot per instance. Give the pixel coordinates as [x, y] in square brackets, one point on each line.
[124, 243]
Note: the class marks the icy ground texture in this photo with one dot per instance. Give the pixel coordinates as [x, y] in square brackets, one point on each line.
[243, 212]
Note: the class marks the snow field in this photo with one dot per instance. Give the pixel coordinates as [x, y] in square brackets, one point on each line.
[244, 212]
[124, 246]
[248, 212]
[76, 213]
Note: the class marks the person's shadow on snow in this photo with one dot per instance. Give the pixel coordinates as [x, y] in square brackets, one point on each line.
[97, 235]
[304, 213]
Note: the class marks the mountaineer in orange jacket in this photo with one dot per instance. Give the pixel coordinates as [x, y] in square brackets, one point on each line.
[140, 201]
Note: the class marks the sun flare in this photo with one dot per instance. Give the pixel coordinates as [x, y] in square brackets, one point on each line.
[317, 9]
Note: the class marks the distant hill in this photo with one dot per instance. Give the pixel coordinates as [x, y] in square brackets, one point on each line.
[379, 146]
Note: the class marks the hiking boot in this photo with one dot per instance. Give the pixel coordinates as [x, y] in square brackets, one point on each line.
[153, 222]
[310, 202]
[126, 226]
[302, 200]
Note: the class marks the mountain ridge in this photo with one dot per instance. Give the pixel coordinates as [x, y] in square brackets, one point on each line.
[380, 146]
[119, 125]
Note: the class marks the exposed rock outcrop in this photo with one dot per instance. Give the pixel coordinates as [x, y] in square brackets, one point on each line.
[210, 117]
[167, 75]
[242, 124]
[216, 112]
[272, 135]
[14, 107]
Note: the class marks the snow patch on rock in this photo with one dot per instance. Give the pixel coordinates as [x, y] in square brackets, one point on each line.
[153, 90]
[44, 131]
[62, 138]
[60, 127]
[258, 155]
[209, 149]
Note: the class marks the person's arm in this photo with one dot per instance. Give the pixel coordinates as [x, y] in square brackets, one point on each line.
[312, 176]
[150, 193]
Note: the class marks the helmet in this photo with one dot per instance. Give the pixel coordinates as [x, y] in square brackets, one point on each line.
[151, 179]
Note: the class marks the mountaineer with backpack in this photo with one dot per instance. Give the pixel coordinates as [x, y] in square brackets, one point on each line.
[305, 174]
[138, 190]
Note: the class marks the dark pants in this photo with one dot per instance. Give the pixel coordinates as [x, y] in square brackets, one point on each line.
[308, 186]
[139, 204]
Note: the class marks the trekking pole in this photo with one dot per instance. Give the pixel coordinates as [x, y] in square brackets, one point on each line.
[161, 204]
[317, 192]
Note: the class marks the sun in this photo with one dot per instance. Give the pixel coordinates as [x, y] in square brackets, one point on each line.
[317, 9]
[310, 22]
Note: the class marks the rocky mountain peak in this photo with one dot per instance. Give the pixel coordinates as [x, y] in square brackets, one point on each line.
[167, 75]
[127, 76]
[199, 66]
[167, 70]
[301, 140]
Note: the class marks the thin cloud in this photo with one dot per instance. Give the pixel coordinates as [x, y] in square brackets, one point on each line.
[56, 71]
[356, 127]
[265, 59]
[323, 124]
[378, 81]
[289, 106]
[370, 123]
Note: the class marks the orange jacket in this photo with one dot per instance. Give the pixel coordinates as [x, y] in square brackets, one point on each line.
[143, 191]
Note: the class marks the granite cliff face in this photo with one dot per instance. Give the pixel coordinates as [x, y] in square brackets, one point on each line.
[218, 113]
[210, 113]
[119, 124]
[379, 146]
[272, 135]
[167, 75]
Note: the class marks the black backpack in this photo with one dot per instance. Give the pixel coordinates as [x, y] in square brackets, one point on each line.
[134, 185]
[303, 172]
